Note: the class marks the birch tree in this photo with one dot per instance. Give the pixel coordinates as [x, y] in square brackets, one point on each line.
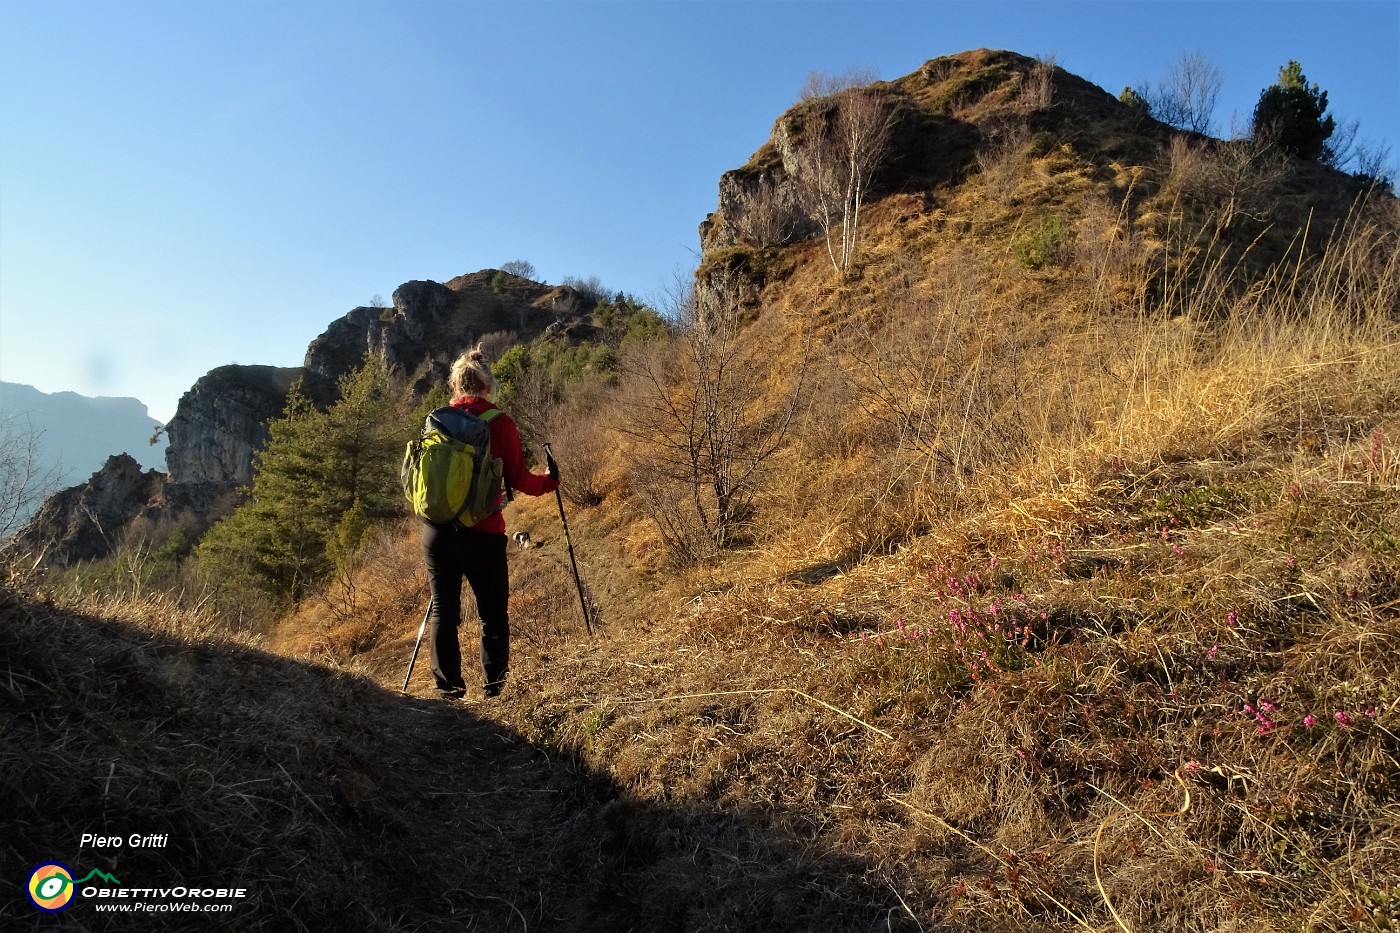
[847, 141]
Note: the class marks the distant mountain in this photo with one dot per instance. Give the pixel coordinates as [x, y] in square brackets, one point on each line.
[76, 434]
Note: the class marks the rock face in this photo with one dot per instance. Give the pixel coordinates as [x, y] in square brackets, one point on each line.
[84, 522]
[222, 421]
[430, 323]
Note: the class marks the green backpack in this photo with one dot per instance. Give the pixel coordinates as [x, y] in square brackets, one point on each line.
[449, 474]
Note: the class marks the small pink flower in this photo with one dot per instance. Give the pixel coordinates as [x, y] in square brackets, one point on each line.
[1214, 650]
[1230, 619]
[1267, 707]
[1193, 765]
[1342, 718]
[1020, 754]
[1309, 720]
[1370, 712]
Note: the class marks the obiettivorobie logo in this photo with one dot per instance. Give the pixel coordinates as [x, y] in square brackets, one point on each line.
[52, 885]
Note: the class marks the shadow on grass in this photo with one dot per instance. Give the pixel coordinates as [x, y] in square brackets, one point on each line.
[335, 804]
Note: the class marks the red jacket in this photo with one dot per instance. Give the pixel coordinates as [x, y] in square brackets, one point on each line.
[505, 443]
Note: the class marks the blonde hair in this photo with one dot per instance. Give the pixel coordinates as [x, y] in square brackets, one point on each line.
[471, 376]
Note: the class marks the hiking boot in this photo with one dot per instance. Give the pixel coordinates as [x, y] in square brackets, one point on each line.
[452, 693]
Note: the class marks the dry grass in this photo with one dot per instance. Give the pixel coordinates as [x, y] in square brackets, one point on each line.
[1071, 604]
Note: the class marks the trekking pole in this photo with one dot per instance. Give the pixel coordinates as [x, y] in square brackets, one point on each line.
[416, 645]
[583, 603]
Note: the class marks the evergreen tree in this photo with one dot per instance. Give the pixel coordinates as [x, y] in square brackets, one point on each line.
[321, 473]
[1133, 99]
[1293, 114]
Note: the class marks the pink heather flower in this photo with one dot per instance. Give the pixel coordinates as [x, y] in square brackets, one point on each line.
[1342, 718]
[1267, 707]
[1178, 551]
[1193, 765]
[1249, 708]
[1230, 618]
[1309, 721]
[900, 623]
[1020, 754]
[1214, 650]
[1370, 712]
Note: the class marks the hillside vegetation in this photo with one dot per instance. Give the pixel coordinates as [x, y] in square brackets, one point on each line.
[1039, 570]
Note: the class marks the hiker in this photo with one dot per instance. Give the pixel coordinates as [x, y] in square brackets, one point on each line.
[478, 553]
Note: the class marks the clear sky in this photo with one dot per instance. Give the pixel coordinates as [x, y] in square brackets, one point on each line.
[193, 183]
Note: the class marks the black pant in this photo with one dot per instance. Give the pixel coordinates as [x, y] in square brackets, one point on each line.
[453, 552]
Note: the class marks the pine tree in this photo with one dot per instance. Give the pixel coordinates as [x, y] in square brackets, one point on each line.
[318, 468]
[1136, 101]
[1293, 114]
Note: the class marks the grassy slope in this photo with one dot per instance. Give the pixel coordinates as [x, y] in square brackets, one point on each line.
[1180, 499]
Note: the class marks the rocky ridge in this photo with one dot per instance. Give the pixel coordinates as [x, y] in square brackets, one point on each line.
[221, 422]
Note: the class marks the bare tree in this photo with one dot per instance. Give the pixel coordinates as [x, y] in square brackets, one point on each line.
[521, 268]
[824, 84]
[1187, 96]
[846, 141]
[590, 289]
[707, 416]
[25, 480]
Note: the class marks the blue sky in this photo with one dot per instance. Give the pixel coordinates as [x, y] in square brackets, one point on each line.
[189, 184]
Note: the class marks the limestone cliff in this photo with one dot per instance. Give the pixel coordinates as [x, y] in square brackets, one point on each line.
[222, 420]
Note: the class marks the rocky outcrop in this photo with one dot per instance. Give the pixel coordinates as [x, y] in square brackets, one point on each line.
[430, 323]
[85, 522]
[222, 421]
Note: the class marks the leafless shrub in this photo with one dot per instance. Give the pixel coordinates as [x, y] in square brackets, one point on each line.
[1038, 87]
[773, 214]
[579, 436]
[1238, 178]
[1187, 167]
[1244, 177]
[707, 416]
[1002, 158]
[825, 84]
[590, 289]
[496, 343]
